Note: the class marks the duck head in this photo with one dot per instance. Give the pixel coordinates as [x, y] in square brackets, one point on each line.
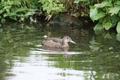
[67, 39]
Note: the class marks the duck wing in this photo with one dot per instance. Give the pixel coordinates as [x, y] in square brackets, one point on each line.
[58, 40]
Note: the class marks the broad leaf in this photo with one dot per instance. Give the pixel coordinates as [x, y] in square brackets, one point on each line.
[117, 2]
[99, 15]
[119, 14]
[98, 28]
[76, 1]
[114, 10]
[114, 20]
[95, 14]
[118, 27]
[118, 36]
[107, 25]
[103, 4]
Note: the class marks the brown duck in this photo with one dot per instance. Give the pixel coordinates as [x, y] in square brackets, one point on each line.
[57, 44]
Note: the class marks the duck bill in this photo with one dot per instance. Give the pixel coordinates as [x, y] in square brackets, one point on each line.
[73, 42]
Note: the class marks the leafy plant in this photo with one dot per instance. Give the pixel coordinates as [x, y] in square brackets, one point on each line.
[16, 9]
[19, 10]
[107, 14]
[52, 6]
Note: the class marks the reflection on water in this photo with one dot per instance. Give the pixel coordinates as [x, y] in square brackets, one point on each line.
[92, 58]
[37, 66]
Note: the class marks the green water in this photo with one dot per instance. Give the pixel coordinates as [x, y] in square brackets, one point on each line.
[92, 58]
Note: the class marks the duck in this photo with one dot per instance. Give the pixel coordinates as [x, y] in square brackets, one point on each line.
[57, 44]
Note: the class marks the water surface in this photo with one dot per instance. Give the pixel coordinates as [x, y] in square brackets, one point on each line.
[94, 57]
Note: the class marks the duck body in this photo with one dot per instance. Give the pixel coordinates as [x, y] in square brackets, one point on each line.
[59, 40]
[57, 44]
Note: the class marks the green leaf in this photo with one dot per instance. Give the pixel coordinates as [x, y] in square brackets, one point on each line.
[95, 14]
[114, 10]
[99, 15]
[52, 6]
[107, 25]
[119, 14]
[118, 27]
[98, 28]
[78, 1]
[114, 20]
[118, 36]
[103, 4]
[117, 2]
